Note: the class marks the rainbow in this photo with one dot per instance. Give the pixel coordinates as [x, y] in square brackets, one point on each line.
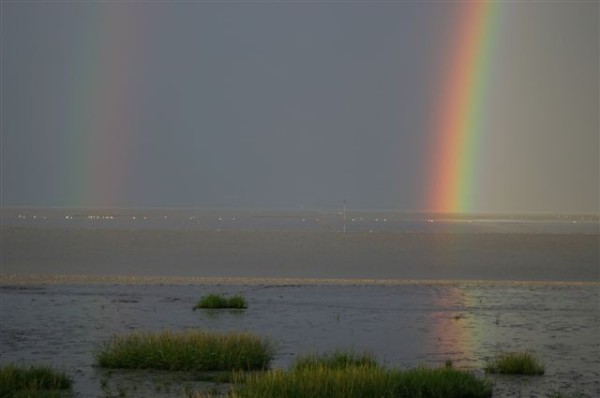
[101, 122]
[458, 125]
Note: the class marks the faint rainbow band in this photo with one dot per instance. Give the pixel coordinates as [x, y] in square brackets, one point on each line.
[99, 143]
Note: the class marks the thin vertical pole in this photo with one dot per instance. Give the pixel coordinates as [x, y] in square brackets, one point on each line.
[344, 216]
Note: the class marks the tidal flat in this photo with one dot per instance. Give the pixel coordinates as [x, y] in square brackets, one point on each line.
[404, 324]
[410, 289]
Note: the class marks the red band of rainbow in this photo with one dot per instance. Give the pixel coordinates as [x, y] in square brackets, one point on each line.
[458, 126]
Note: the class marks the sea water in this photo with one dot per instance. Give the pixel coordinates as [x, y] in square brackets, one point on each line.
[300, 244]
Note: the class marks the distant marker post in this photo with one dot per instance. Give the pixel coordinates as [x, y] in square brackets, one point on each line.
[344, 216]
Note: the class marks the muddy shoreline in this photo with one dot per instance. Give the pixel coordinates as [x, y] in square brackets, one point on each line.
[404, 324]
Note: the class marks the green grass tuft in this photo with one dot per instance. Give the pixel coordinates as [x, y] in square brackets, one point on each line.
[349, 375]
[440, 382]
[191, 350]
[322, 382]
[216, 301]
[335, 360]
[516, 363]
[33, 381]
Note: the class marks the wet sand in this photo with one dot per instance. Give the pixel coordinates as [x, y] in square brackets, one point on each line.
[60, 320]
[41, 280]
[300, 254]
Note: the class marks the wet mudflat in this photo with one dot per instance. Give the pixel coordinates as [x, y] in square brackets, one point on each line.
[404, 323]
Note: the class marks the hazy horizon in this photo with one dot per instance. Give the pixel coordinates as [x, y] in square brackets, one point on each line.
[587, 216]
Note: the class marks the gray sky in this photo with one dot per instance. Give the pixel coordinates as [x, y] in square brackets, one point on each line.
[289, 105]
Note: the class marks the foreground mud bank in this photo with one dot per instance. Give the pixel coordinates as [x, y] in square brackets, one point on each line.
[403, 324]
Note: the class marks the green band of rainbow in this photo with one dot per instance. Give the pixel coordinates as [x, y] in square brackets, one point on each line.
[459, 122]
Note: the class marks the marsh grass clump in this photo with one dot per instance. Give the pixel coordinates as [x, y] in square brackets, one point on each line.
[336, 360]
[447, 382]
[217, 301]
[188, 351]
[516, 363]
[322, 382]
[33, 381]
[349, 375]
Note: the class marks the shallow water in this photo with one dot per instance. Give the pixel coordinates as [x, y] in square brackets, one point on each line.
[306, 221]
[404, 325]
